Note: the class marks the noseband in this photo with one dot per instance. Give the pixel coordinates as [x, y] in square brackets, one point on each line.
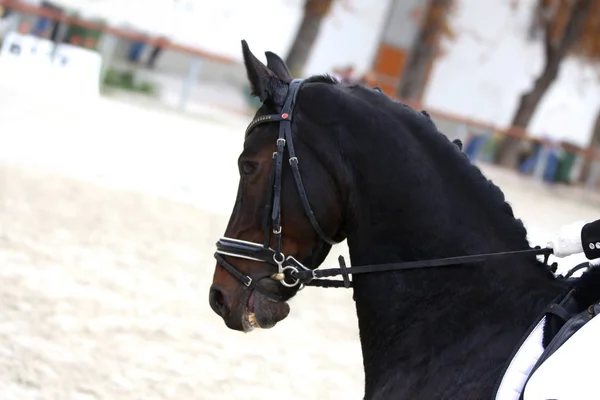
[287, 267]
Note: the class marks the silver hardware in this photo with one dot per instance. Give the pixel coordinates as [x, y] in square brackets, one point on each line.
[249, 281]
[280, 275]
[278, 262]
[278, 231]
[281, 141]
[297, 264]
[296, 281]
[294, 158]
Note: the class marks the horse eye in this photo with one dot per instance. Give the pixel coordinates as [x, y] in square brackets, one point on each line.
[248, 168]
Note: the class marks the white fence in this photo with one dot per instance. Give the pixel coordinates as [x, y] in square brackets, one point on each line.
[48, 68]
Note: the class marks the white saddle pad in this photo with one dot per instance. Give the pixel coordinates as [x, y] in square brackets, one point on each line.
[521, 365]
[571, 373]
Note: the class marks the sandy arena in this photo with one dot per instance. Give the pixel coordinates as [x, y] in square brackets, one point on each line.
[108, 217]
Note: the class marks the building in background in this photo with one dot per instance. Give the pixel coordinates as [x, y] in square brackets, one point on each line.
[46, 27]
[398, 34]
[481, 74]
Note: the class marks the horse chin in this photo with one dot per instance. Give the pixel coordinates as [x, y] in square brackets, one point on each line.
[263, 312]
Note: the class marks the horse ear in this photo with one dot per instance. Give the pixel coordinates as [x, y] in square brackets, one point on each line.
[263, 82]
[277, 65]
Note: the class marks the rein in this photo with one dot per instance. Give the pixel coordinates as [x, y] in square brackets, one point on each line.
[299, 274]
[311, 277]
[289, 271]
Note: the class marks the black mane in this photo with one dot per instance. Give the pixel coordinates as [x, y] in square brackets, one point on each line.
[323, 78]
[492, 195]
[416, 196]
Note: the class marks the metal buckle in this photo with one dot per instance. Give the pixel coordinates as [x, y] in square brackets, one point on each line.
[249, 281]
[294, 159]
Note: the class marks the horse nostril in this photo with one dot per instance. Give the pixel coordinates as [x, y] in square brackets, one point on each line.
[216, 298]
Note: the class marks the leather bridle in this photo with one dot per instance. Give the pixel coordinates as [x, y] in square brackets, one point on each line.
[287, 266]
[290, 272]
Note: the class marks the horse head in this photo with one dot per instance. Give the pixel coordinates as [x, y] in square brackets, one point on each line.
[289, 206]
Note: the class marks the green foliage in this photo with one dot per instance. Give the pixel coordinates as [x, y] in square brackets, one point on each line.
[126, 80]
[86, 36]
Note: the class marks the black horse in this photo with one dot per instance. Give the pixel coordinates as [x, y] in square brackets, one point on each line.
[379, 174]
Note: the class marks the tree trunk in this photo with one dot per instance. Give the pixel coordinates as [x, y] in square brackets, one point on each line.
[594, 144]
[315, 12]
[423, 51]
[555, 50]
[508, 151]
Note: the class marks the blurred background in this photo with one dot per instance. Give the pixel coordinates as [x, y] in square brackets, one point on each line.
[120, 125]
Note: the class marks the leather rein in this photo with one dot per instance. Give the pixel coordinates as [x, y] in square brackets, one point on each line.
[290, 272]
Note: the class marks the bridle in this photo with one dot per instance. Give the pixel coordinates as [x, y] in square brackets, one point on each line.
[290, 272]
[287, 267]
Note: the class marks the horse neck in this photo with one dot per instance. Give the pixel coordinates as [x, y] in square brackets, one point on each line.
[427, 211]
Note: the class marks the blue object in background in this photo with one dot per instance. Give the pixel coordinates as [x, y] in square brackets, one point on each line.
[474, 145]
[528, 165]
[135, 51]
[542, 153]
[41, 26]
[551, 167]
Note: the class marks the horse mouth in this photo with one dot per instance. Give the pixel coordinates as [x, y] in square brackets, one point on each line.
[262, 312]
[249, 321]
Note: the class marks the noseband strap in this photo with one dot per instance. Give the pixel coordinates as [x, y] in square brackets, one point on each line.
[286, 266]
